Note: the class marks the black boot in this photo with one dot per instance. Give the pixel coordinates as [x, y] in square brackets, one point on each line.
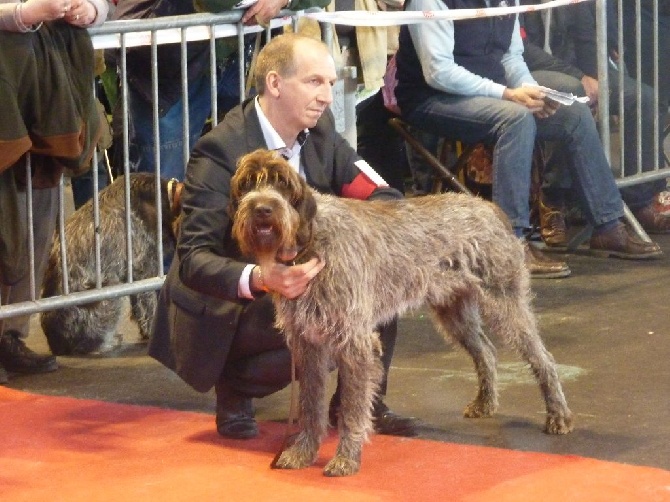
[234, 414]
[16, 357]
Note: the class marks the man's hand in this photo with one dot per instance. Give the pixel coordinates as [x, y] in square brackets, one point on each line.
[533, 99]
[591, 88]
[263, 11]
[289, 281]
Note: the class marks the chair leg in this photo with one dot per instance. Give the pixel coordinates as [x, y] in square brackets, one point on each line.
[441, 171]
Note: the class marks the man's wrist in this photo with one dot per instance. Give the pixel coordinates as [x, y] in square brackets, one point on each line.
[257, 282]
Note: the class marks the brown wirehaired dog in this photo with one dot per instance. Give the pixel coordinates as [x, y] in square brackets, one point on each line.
[82, 329]
[451, 251]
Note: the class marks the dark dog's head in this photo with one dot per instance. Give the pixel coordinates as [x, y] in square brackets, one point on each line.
[272, 207]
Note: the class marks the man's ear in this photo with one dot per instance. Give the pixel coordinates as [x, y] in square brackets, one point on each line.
[273, 83]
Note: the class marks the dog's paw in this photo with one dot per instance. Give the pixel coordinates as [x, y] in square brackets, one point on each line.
[479, 409]
[295, 457]
[342, 466]
[559, 423]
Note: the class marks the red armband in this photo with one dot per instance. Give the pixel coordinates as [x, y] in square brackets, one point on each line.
[360, 188]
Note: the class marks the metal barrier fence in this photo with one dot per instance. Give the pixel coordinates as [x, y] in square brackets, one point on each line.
[122, 35]
[184, 29]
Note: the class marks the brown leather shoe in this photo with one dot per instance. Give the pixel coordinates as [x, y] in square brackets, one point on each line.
[541, 266]
[652, 220]
[552, 226]
[619, 242]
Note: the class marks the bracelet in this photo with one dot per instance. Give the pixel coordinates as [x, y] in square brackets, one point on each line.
[261, 283]
[18, 19]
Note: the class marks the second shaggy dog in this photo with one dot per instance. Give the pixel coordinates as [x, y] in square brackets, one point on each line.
[82, 329]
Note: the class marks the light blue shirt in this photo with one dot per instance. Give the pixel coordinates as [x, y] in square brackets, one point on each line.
[434, 44]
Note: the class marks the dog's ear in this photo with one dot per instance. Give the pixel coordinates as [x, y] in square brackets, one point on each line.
[307, 211]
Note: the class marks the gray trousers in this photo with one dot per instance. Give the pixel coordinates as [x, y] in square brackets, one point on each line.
[45, 214]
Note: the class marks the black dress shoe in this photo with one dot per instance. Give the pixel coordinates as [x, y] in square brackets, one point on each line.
[234, 414]
[384, 420]
[391, 424]
[16, 357]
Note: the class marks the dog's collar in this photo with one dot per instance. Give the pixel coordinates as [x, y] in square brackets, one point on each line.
[302, 256]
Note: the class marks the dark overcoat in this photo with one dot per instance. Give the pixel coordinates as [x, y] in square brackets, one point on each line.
[199, 308]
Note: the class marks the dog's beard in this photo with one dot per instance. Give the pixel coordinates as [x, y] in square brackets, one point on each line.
[269, 237]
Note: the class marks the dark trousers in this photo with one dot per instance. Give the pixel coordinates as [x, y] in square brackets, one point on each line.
[259, 362]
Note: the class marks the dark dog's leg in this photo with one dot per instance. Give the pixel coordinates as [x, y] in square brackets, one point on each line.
[360, 373]
[461, 320]
[513, 321]
[312, 364]
[142, 310]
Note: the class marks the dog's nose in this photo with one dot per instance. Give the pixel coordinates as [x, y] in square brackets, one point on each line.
[263, 211]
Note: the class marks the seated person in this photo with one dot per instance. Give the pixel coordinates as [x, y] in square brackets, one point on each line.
[574, 46]
[214, 323]
[464, 80]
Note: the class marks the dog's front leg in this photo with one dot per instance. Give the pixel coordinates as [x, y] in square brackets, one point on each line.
[360, 373]
[312, 364]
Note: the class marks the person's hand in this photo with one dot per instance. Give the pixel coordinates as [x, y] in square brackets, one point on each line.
[533, 99]
[81, 13]
[591, 88]
[290, 281]
[263, 11]
[37, 11]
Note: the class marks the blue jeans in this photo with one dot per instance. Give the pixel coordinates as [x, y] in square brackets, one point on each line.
[512, 129]
[173, 159]
[636, 196]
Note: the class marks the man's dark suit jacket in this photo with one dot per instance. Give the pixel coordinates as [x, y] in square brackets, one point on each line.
[198, 310]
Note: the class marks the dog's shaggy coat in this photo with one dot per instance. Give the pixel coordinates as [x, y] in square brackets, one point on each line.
[82, 329]
[454, 252]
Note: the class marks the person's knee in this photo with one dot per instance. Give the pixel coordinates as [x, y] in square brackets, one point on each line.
[261, 374]
[518, 122]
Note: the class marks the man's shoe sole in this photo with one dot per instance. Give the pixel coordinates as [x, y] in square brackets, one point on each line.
[551, 275]
[604, 253]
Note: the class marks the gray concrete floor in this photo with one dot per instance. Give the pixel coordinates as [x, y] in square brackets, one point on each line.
[607, 326]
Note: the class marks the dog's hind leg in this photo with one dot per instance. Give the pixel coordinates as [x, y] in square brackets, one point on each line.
[359, 375]
[312, 363]
[511, 319]
[461, 321]
[142, 310]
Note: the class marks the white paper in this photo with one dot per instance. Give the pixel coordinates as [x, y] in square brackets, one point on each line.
[562, 97]
[243, 4]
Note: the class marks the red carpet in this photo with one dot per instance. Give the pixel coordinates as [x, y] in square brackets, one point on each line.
[55, 448]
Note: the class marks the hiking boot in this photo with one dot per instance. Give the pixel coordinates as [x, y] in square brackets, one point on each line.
[552, 226]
